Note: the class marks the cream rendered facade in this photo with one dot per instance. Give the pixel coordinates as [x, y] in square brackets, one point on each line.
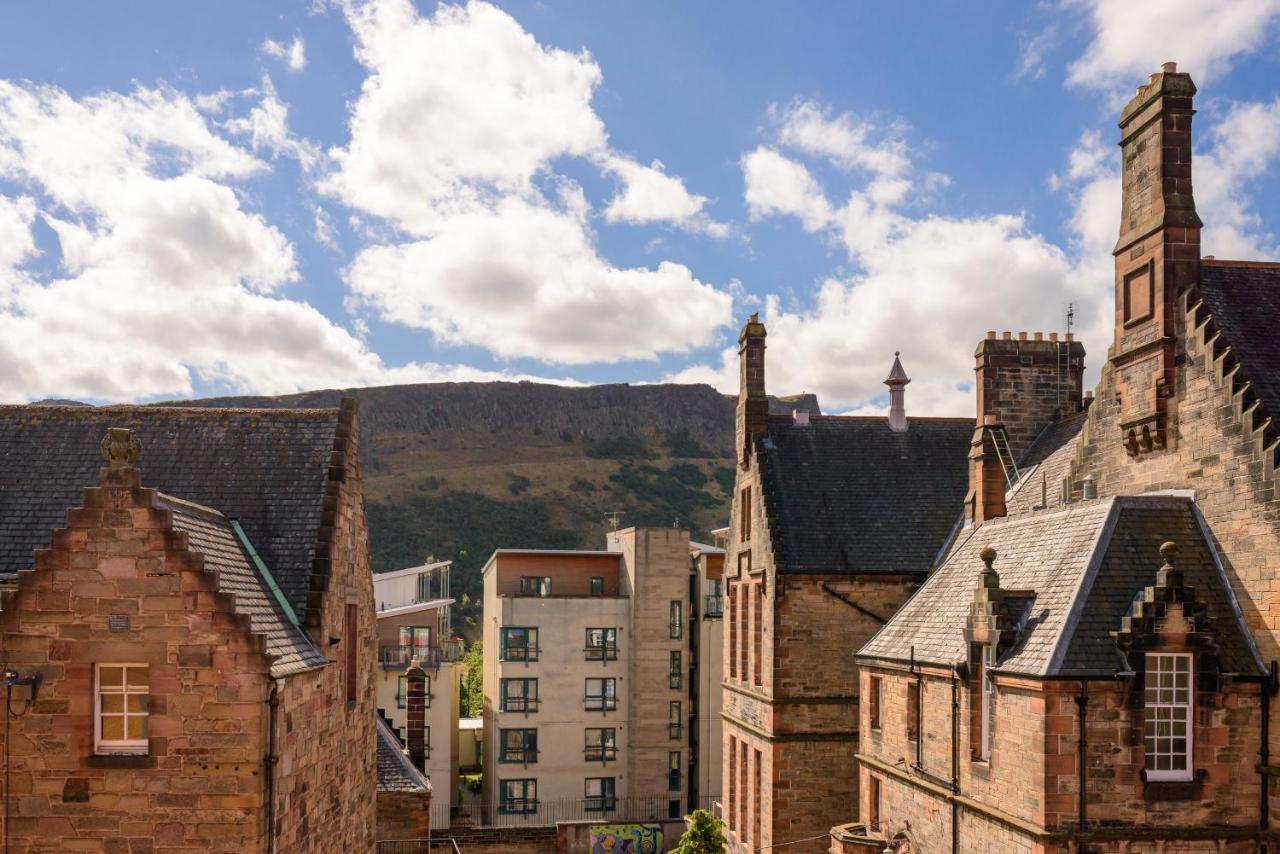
[708, 636]
[402, 617]
[623, 614]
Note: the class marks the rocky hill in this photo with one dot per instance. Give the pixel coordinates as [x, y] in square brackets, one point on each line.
[455, 470]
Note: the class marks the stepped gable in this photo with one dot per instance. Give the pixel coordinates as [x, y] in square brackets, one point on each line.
[845, 494]
[395, 772]
[1241, 301]
[1074, 574]
[210, 534]
[268, 469]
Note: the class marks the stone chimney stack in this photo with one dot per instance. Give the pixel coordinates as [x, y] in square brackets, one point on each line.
[987, 479]
[752, 417]
[1028, 381]
[897, 383]
[1158, 254]
[416, 714]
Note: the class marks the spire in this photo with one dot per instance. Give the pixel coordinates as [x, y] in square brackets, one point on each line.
[897, 382]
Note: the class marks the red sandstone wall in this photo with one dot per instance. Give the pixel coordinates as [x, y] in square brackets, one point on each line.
[200, 788]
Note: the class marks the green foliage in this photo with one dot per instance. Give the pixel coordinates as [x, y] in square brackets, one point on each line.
[463, 526]
[704, 836]
[430, 483]
[681, 443]
[581, 484]
[518, 483]
[472, 700]
[725, 477]
[688, 474]
[624, 447]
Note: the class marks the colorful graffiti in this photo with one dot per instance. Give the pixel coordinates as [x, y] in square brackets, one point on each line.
[626, 839]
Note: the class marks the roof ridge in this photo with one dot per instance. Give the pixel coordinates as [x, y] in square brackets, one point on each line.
[189, 506]
[150, 407]
[1227, 262]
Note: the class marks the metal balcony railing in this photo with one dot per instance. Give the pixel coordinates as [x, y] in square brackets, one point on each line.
[393, 657]
[597, 703]
[600, 753]
[713, 606]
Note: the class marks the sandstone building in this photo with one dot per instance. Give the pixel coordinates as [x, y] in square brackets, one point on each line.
[592, 680]
[188, 630]
[1092, 666]
[819, 557]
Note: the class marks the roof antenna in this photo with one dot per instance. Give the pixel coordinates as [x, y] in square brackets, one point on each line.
[613, 516]
[1071, 316]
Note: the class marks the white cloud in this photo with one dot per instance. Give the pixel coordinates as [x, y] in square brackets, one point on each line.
[294, 54]
[650, 195]
[267, 126]
[1133, 37]
[777, 185]
[163, 276]
[1031, 52]
[454, 142]
[809, 127]
[570, 306]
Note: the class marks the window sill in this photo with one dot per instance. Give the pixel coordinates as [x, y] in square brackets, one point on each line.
[121, 760]
[1157, 791]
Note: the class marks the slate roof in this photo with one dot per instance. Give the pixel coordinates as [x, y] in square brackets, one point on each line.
[1244, 299]
[395, 772]
[848, 495]
[265, 468]
[1043, 466]
[210, 533]
[1084, 564]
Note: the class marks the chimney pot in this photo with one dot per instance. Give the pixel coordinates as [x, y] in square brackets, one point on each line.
[1169, 68]
[1151, 81]
[1007, 335]
[1022, 336]
[991, 334]
[1088, 394]
[1070, 336]
[1039, 336]
[1053, 336]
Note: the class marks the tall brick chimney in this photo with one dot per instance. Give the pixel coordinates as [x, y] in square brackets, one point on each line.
[1027, 382]
[752, 416]
[1158, 253]
[416, 714]
[987, 480]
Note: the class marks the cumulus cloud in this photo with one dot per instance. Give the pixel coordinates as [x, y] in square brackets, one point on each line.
[453, 143]
[162, 276]
[293, 54]
[267, 126]
[1131, 38]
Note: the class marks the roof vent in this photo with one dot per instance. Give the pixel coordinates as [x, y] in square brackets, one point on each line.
[801, 417]
[897, 383]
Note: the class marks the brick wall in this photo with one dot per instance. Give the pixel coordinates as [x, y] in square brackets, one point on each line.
[403, 815]
[1027, 382]
[327, 773]
[200, 787]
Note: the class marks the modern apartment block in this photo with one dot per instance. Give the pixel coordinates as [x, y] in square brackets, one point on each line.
[706, 668]
[591, 670]
[414, 631]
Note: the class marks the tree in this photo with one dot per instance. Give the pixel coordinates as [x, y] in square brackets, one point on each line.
[704, 836]
[473, 681]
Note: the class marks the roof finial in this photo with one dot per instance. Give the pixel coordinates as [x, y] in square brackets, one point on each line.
[120, 448]
[897, 381]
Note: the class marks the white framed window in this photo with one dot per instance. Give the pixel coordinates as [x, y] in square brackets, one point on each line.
[988, 700]
[1167, 728]
[121, 694]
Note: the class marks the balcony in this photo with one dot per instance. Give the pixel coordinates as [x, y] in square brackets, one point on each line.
[713, 606]
[598, 703]
[602, 652]
[427, 657]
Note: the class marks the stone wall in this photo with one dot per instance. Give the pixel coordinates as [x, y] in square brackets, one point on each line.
[326, 772]
[403, 815]
[200, 786]
[1026, 383]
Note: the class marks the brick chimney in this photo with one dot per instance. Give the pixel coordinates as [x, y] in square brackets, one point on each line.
[752, 417]
[416, 714]
[1158, 254]
[897, 383]
[987, 481]
[1028, 381]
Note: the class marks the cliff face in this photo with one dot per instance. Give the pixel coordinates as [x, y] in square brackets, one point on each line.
[455, 470]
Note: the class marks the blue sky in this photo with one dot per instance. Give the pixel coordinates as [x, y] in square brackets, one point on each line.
[241, 197]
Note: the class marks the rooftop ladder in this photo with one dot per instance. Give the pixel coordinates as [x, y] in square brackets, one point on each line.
[1001, 442]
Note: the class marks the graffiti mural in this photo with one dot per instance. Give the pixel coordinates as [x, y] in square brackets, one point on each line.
[626, 839]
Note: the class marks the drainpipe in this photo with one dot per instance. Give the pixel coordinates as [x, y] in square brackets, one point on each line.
[1269, 687]
[273, 705]
[955, 759]
[919, 709]
[1082, 703]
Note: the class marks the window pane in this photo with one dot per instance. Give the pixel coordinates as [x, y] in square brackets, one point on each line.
[137, 727]
[110, 676]
[137, 703]
[112, 703]
[112, 727]
[137, 677]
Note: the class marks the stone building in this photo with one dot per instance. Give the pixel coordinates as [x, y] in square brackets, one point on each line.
[816, 562]
[1110, 693]
[187, 629]
[591, 680]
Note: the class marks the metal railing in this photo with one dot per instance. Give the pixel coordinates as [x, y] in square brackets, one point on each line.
[419, 846]
[555, 810]
[425, 656]
[600, 703]
[601, 652]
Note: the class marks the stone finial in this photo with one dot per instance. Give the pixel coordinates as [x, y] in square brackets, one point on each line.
[1169, 551]
[120, 448]
[897, 382]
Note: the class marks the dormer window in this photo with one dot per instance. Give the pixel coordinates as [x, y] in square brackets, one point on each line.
[1167, 728]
